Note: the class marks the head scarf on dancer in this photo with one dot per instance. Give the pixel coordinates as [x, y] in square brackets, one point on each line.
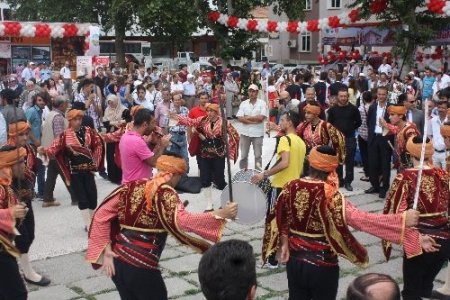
[319, 159]
[9, 156]
[15, 129]
[414, 147]
[167, 167]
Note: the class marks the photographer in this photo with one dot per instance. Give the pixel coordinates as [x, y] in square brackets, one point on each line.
[91, 100]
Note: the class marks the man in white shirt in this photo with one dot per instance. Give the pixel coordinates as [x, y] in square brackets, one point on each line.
[142, 97]
[66, 75]
[367, 68]
[189, 91]
[252, 114]
[442, 81]
[438, 141]
[385, 67]
[28, 72]
[176, 86]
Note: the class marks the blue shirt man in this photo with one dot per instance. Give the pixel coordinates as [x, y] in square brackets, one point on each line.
[34, 117]
[428, 82]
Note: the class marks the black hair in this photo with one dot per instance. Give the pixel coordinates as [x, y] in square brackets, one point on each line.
[382, 87]
[227, 271]
[418, 139]
[5, 148]
[440, 102]
[307, 76]
[323, 75]
[339, 77]
[9, 95]
[357, 290]
[85, 82]
[203, 94]
[44, 95]
[299, 77]
[402, 97]
[293, 117]
[140, 87]
[322, 175]
[343, 89]
[78, 105]
[367, 96]
[142, 116]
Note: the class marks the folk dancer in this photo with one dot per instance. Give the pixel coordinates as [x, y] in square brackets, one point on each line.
[212, 148]
[403, 130]
[420, 269]
[316, 132]
[12, 213]
[311, 220]
[18, 136]
[130, 228]
[80, 152]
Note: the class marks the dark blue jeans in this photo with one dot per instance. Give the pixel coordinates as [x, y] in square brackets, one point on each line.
[40, 178]
[179, 146]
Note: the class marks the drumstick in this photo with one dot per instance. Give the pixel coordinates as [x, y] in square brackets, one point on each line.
[225, 138]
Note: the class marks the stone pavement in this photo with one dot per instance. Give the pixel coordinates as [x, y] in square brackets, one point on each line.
[58, 251]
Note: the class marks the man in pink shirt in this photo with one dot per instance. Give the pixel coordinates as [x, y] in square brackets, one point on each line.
[136, 157]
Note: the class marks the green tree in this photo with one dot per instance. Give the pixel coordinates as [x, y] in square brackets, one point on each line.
[418, 26]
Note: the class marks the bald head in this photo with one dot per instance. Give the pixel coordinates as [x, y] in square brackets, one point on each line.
[285, 95]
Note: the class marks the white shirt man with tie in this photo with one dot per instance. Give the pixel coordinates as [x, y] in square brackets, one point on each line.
[67, 79]
[438, 141]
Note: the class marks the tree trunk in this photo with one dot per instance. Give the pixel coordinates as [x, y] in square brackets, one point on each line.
[120, 47]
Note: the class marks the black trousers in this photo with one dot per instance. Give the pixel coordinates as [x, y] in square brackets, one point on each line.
[419, 272]
[137, 283]
[380, 154]
[350, 149]
[212, 170]
[307, 281]
[12, 286]
[114, 172]
[26, 229]
[50, 182]
[85, 190]
[364, 154]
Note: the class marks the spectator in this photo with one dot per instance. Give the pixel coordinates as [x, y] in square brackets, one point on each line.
[10, 111]
[162, 111]
[363, 133]
[310, 98]
[176, 86]
[66, 75]
[227, 271]
[295, 90]
[45, 73]
[26, 98]
[28, 72]
[428, 82]
[232, 94]
[143, 97]
[439, 154]
[385, 67]
[54, 125]
[321, 89]
[413, 115]
[252, 114]
[91, 100]
[178, 132]
[34, 117]
[345, 117]
[337, 85]
[189, 91]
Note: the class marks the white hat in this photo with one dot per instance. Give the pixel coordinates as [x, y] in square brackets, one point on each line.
[253, 87]
[190, 76]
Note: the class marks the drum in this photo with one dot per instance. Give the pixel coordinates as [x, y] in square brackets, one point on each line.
[251, 198]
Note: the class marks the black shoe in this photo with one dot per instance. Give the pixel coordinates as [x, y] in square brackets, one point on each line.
[349, 187]
[103, 175]
[372, 190]
[341, 183]
[43, 282]
[382, 194]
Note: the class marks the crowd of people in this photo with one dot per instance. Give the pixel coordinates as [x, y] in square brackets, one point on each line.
[123, 123]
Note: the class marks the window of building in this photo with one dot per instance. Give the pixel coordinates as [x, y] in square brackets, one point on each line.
[305, 42]
[308, 4]
[334, 4]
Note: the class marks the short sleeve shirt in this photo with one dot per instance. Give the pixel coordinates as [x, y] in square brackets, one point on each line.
[133, 154]
[297, 151]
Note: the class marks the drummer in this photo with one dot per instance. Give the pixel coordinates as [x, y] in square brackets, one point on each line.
[291, 152]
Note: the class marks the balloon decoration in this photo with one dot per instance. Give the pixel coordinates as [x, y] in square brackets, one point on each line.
[37, 29]
[254, 25]
[437, 55]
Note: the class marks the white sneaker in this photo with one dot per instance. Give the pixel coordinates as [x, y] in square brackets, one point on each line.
[268, 265]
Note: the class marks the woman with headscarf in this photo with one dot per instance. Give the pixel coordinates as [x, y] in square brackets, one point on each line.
[112, 121]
